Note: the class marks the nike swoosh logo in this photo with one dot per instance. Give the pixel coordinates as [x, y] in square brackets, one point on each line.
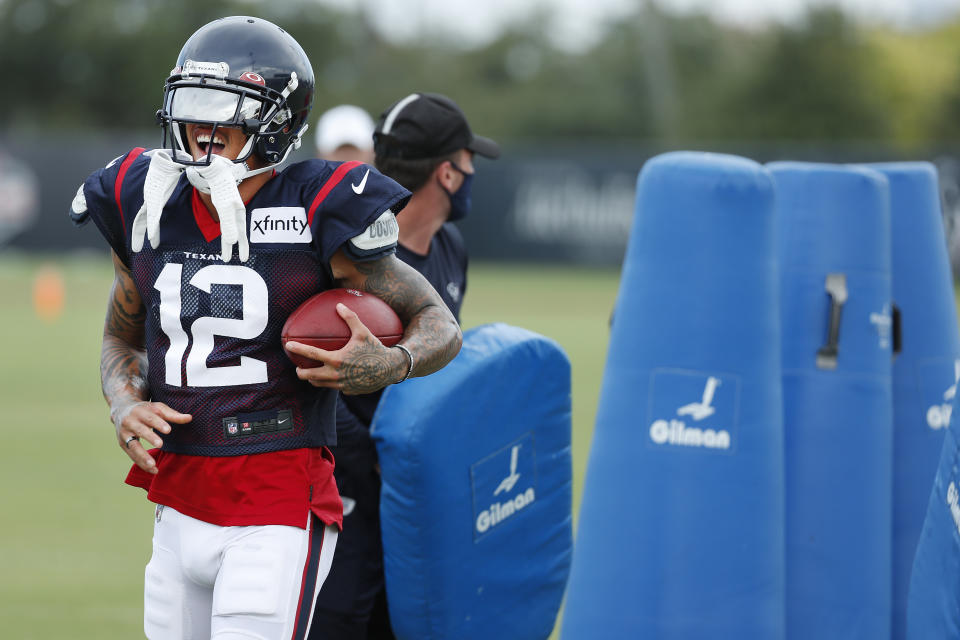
[282, 421]
[358, 188]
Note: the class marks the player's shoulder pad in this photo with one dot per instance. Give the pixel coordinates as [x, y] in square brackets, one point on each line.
[307, 170]
[79, 212]
[135, 155]
[116, 170]
[351, 189]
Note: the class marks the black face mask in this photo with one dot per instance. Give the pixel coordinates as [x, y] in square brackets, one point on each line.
[459, 199]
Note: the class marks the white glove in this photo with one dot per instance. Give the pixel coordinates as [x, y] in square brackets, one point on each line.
[158, 186]
[220, 176]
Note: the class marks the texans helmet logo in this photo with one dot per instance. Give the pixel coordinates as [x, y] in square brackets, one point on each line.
[255, 78]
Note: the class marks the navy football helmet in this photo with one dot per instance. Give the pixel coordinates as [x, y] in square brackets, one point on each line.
[241, 72]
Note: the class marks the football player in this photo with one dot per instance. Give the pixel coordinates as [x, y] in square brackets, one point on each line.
[213, 248]
[424, 142]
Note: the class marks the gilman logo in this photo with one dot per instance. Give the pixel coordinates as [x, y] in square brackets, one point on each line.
[672, 430]
[286, 225]
[938, 415]
[489, 482]
[677, 432]
[953, 502]
[498, 512]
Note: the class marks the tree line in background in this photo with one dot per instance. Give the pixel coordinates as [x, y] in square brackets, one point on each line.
[654, 76]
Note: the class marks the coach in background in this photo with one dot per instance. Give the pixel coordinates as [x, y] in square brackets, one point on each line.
[423, 142]
[345, 133]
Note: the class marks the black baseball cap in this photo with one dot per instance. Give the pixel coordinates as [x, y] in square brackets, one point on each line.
[427, 125]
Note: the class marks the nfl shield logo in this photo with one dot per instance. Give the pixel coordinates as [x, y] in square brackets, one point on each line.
[232, 428]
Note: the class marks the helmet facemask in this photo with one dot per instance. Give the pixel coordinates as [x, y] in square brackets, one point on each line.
[203, 94]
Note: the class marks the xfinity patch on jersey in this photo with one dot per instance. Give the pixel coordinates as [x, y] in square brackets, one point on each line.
[503, 484]
[693, 410]
[384, 232]
[257, 422]
[280, 225]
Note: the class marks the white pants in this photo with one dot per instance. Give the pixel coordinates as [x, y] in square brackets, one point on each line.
[233, 583]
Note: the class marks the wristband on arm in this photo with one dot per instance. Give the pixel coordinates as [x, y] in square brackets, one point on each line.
[409, 358]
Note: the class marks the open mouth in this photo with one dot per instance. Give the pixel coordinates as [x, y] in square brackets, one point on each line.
[208, 143]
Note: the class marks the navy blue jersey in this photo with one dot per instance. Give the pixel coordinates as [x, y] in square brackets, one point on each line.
[445, 267]
[213, 328]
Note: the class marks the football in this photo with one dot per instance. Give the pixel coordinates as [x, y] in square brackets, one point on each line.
[317, 323]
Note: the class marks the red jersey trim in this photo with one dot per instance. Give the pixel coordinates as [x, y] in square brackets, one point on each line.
[308, 587]
[209, 227]
[118, 185]
[280, 487]
[328, 186]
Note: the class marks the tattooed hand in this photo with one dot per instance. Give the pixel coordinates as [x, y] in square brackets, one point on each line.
[430, 332]
[363, 365]
[145, 420]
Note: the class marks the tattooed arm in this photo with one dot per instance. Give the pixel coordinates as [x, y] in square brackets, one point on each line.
[123, 360]
[123, 373]
[431, 333]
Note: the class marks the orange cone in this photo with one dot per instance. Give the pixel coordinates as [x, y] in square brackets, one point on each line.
[48, 293]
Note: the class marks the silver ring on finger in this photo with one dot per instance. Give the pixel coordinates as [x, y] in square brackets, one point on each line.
[129, 440]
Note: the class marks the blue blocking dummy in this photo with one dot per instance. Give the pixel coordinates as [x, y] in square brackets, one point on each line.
[680, 532]
[476, 498]
[834, 230]
[925, 371]
[934, 601]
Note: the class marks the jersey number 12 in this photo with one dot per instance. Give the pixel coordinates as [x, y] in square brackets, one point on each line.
[251, 324]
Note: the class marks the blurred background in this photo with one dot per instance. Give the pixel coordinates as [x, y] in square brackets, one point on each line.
[579, 94]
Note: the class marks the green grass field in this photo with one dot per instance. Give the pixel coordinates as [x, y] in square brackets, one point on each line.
[74, 539]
